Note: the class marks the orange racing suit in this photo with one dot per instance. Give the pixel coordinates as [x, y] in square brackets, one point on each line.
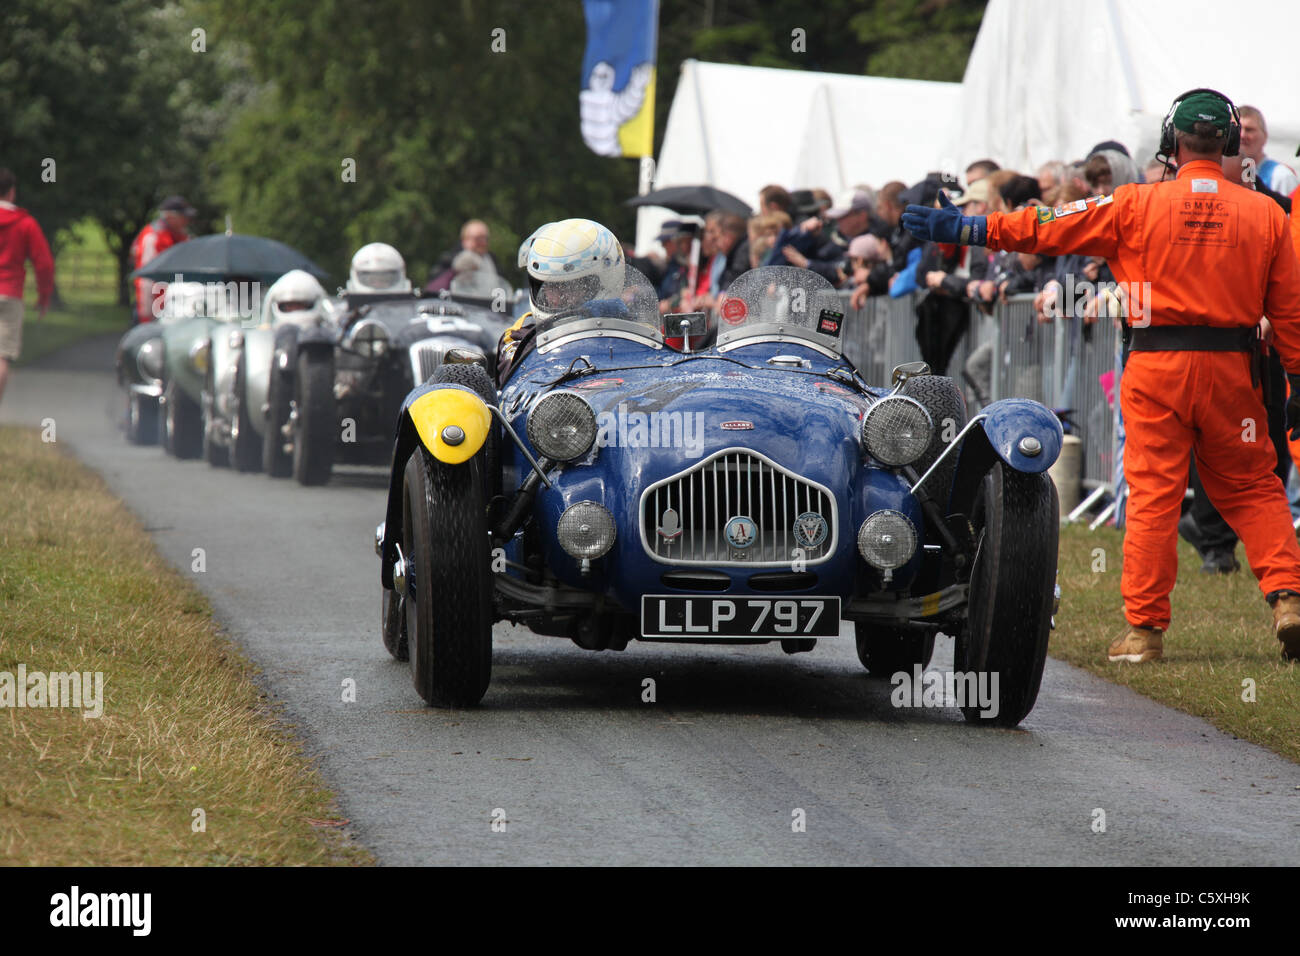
[1192, 251]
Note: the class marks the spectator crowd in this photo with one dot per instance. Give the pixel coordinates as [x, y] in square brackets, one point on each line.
[857, 243]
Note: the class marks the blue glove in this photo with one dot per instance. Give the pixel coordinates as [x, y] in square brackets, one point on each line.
[945, 224]
[905, 284]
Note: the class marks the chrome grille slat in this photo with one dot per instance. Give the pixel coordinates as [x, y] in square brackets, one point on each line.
[730, 483]
[785, 509]
[772, 472]
[426, 356]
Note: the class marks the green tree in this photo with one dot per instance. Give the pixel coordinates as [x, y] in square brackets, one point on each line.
[468, 108]
[444, 117]
[112, 93]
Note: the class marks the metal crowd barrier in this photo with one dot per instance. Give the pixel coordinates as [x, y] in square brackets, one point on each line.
[1064, 364]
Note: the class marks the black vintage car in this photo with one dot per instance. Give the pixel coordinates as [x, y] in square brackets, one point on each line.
[335, 391]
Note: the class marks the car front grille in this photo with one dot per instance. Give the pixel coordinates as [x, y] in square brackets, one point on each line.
[684, 518]
[426, 356]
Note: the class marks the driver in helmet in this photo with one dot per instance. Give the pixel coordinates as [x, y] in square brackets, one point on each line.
[295, 298]
[569, 263]
[378, 267]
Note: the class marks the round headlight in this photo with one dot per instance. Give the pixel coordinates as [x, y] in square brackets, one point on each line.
[370, 338]
[562, 426]
[896, 431]
[887, 540]
[149, 359]
[586, 530]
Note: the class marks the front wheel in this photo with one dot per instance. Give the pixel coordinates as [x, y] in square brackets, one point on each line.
[317, 418]
[1012, 590]
[141, 419]
[392, 624]
[449, 580]
[277, 455]
[886, 650]
[182, 423]
[245, 446]
[216, 454]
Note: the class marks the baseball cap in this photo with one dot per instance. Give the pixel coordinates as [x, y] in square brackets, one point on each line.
[669, 230]
[177, 204]
[849, 201]
[1109, 144]
[977, 191]
[861, 247]
[1205, 108]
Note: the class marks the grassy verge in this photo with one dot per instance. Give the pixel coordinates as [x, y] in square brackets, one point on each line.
[82, 589]
[62, 327]
[1220, 637]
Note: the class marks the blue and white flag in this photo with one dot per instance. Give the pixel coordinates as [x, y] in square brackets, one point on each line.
[617, 102]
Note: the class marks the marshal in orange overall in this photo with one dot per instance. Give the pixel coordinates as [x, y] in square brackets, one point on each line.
[1202, 260]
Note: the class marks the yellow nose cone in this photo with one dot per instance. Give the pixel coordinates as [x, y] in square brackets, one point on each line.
[452, 423]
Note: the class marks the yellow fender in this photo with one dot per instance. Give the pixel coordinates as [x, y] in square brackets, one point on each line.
[434, 412]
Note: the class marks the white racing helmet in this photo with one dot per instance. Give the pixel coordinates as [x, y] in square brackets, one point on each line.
[378, 267]
[571, 262]
[296, 297]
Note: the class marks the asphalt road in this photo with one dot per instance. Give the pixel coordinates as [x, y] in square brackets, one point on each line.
[583, 771]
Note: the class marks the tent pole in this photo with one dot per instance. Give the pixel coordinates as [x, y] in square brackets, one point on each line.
[704, 128]
[1125, 61]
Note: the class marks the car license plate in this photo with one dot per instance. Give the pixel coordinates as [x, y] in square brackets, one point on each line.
[675, 615]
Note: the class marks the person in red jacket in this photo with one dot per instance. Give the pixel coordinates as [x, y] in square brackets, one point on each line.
[160, 235]
[1203, 259]
[21, 239]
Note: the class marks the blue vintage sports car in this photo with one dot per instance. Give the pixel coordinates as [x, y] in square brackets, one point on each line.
[653, 478]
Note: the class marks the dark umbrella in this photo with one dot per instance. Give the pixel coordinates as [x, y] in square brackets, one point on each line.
[695, 200]
[227, 256]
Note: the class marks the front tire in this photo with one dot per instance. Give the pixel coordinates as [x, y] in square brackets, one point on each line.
[279, 397]
[941, 397]
[449, 607]
[182, 424]
[314, 436]
[1012, 592]
[216, 454]
[245, 446]
[142, 425]
[392, 624]
[475, 377]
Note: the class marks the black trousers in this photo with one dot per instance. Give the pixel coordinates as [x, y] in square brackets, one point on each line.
[941, 322]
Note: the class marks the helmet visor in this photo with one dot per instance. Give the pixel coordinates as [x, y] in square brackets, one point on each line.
[378, 278]
[553, 296]
[295, 305]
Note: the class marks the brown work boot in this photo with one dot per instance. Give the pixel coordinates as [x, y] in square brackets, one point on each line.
[1286, 625]
[1141, 644]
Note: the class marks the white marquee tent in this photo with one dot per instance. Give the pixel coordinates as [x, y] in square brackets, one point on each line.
[1050, 80]
[740, 128]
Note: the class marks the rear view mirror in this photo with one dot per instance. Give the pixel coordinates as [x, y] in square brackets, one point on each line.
[908, 370]
[685, 325]
[463, 356]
